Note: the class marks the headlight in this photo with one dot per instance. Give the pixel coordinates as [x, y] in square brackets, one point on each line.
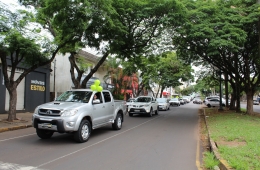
[67, 113]
[36, 110]
[146, 105]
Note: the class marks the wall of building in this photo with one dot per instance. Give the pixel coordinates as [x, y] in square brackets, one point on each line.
[62, 78]
[32, 91]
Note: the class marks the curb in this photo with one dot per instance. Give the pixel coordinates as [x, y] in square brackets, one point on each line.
[223, 164]
[14, 128]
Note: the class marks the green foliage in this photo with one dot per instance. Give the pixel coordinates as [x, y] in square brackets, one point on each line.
[83, 64]
[209, 160]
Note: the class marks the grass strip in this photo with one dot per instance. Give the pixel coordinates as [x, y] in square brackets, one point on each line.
[237, 137]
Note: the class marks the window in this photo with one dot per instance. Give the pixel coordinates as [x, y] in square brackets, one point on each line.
[107, 97]
[99, 96]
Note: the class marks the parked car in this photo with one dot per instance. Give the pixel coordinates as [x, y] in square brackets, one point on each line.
[78, 111]
[255, 102]
[128, 102]
[175, 102]
[144, 105]
[163, 103]
[214, 102]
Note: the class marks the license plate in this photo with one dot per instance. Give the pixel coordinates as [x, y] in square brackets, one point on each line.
[137, 110]
[46, 125]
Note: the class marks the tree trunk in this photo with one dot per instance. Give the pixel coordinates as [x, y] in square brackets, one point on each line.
[226, 88]
[249, 98]
[73, 65]
[158, 91]
[12, 104]
[161, 92]
[92, 71]
[238, 107]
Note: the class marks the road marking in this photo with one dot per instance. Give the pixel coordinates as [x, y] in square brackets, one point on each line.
[7, 166]
[97, 142]
[16, 137]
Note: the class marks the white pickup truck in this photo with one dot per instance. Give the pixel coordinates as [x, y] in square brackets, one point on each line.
[143, 105]
[78, 112]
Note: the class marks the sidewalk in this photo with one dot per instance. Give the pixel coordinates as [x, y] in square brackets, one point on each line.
[25, 121]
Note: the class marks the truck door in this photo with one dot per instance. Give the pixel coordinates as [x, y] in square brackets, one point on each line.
[109, 106]
[98, 110]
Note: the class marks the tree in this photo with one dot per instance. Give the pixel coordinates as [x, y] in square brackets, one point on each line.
[18, 49]
[223, 34]
[128, 28]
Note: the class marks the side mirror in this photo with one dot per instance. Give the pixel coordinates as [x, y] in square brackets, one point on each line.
[97, 101]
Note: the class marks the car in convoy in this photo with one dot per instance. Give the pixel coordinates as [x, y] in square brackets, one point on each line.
[128, 102]
[255, 102]
[144, 105]
[175, 102]
[197, 101]
[163, 103]
[78, 112]
[213, 102]
[181, 101]
[185, 100]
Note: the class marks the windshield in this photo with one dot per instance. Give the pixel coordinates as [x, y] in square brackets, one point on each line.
[161, 100]
[143, 99]
[174, 99]
[75, 96]
[130, 100]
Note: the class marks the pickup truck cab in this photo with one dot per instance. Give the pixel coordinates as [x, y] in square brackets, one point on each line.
[144, 105]
[78, 111]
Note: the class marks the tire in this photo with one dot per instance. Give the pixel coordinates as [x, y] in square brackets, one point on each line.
[130, 114]
[83, 133]
[169, 108]
[151, 112]
[157, 111]
[44, 134]
[209, 105]
[118, 122]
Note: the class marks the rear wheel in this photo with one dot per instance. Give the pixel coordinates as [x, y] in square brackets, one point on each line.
[84, 131]
[44, 134]
[118, 122]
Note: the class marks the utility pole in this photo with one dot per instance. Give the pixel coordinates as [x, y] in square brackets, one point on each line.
[54, 79]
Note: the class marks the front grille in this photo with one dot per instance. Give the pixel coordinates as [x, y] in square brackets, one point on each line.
[49, 112]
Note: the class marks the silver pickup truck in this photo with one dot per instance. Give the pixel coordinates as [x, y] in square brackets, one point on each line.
[78, 111]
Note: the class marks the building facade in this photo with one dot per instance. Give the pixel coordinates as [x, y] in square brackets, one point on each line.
[32, 91]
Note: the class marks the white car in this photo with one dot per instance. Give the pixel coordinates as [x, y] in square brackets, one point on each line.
[214, 102]
[163, 103]
[143, 105]
[175, 102]
[128, 102]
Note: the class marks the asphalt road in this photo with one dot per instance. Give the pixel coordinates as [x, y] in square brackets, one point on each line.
[167, 141]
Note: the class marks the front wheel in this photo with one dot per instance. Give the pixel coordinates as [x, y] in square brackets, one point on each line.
[44, 134]
[118, 122]
[84, 131]
[151, 112]
[157, 111]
